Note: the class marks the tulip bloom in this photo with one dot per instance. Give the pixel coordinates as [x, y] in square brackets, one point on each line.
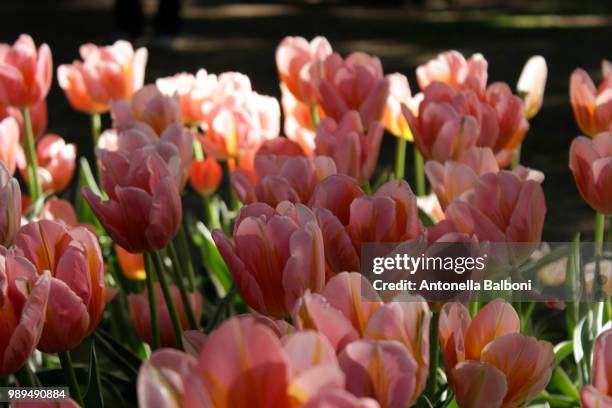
[23, 304]
[10, 206]
[106, 73]
[140, 312]
[591, 164]
[205, 175]
[25, 72]
[60, 210]
[399, 94]
[353, 146]
[56, 162]
[132, 265]
[38, 116]
[280, 178]
[143, 211]
[531, 85]
[599, 394]
[9, 140]
[592, 106]
[452, 68]
[273, 259]
[147, 105]
[298, 124]
[488, 363]
[298, 62]
[77, 294]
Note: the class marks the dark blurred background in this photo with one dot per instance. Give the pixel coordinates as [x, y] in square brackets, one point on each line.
[221, 36]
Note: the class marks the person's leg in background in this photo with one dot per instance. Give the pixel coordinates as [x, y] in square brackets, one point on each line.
[168, 19]
[129, 17]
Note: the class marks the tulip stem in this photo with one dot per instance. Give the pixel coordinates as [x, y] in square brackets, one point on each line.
[400, 158]
[30, 150]
[25, 376]
[96, 127]
[600, 225]
[419, 173]
[177, 271]
[70, 377]
[212, 214]
[174, 317]
[517, 157]
[186, 255]
[433, 355]
[314, 116]
[155, 336]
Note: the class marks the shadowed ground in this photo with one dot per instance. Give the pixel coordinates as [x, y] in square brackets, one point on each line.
[219, 36]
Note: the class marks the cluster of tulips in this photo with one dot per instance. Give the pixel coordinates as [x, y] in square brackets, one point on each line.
[259, 303]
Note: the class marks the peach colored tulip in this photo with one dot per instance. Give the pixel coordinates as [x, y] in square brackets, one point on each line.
[452, 68]
[23, 304]
[56, 162]
[143, 210]
[353, 146]
[132, 265]
[25, 72]
[273, 259]
[279, 178]
[10, 206]
[205, 175]
[147, 105]
[298, 123]
[591, 164]
[60, 210]
[297, 60]
[354, 83]
[77, 294]
[399, 94]
[592, 105]
[106, 73]
[9, 140]
[336, 193]
[38, 116]
[139, 310]
[599, 394]
[531, 85]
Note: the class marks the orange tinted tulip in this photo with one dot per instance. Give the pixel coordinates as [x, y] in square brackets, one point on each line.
[205, 175]
[9, 140]
[132, 265]
[10, 206]
[193, 91]
[592, 106]
[25, 72]
[599, 394]
[399, 94]
[77, 294]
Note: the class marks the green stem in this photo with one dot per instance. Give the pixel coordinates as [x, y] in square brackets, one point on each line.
[314, 115]
[155, 336]
[96, 127]
[526, 317]
[474, 308]
[174, 317]
[177, 271]
[30, 150]
[600, 224]
[419, 173]
[25, 377]
[433, 355]
[400, 158]
[517, 157]
[70, 377]
[186, 256]
[212, 213]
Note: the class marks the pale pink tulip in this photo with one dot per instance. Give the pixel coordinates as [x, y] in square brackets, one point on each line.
[10, 206]
[452, 68]
[298, 124]
[599, 394]
[531, 85]
[56, 162]
[9, 140]
[592, 105]
[25, 72]
[106, 73]
[591, 164]
[399, 94]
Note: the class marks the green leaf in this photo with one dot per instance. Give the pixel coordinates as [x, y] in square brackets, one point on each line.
[563, 350]
[93, 396]
[116, 352]
[213, 261]
[582, 348]
[562, 383]
[425, 219]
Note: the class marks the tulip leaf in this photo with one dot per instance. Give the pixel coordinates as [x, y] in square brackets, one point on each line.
[93, 396]
[563, 350]
[562, 383]
[86, 179]
[116, 352]
[426, 219]
[213, 261]
[582, 348]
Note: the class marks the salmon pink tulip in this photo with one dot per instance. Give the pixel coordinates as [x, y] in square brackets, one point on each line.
[9, 140]
[25, 72]
[592, 105]
[140, 312]
[599, 394]
[10, 206]
[591, 164]
[143, 210]
[298, 61]
[205, 175]
[56, 162]
[273, 259]
[107, 73]
[531, 85]
[353, 146]
[132, 265]
[77, 295]
[452, 68]
[23, 304]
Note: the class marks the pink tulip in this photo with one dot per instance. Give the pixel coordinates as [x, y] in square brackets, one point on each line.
[106, 73]
[592, 106]
[531, 85]
[591, 164]
[9, 140]
[599, 394]
[336, 193]
[60, 210]
[38, 116]
[452, 68]
[147, 105]
[280, 178]
[139, 310]
[298, 124]
[399, 94]
[273, 259]
[25, 72]
[205, 176]
[10, 206]
[23, 304]
[77, 294]
[353, 146]
[298, 61]
[56, 162]
[143, 210]
[355, 83]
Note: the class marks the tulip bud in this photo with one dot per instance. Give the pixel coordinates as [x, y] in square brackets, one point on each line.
[56, 163]
[132, 265]
[205, 175]
[531, 85]
[592, 105]
[10, 206]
